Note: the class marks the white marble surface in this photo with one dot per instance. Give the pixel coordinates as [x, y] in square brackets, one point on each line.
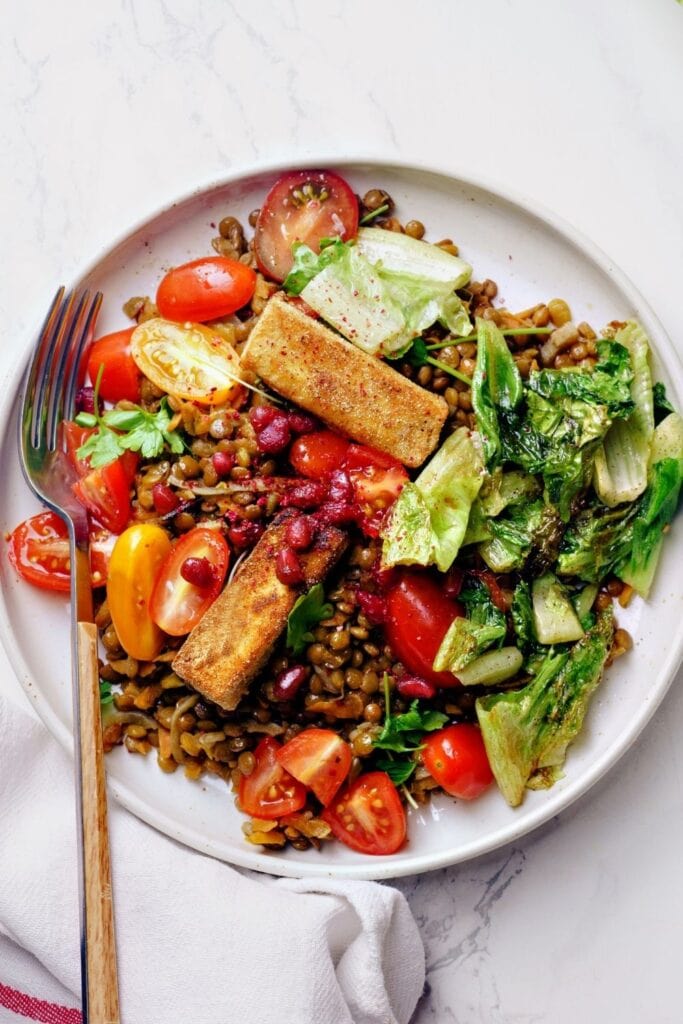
[110, 109]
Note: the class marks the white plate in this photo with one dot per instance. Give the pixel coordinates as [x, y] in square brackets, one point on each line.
[533, 257]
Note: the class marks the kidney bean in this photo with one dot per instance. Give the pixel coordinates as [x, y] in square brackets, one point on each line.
[288, 568]
[302, 423]
[374, 606]
[305, 494]
[223, 462]
[261, 415]
[413, 686]
[275, 436]
[85, 400]
[340, 486]
[335, 513]
[198, 571]
[288, 683]
[165, 500]
[300, 532]
[244, 534]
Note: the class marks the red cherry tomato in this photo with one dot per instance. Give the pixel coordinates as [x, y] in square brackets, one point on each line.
[101, 546]
[74, 436]
[368, 816]
[120, 376]
[302, 206]
[205, 289]
[456, 758]
[39, 551]
[318, 758]
[270, 791]
[105, 494]
[317, 455]
[417, 617]
[177, 604]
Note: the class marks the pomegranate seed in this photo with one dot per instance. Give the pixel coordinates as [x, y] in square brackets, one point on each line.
[413, 686]
[261, 415]
[299, 533]
[288, 567]
[340, 486]
[336, 512]
[223, 462]
[244, 534]
[165, 500]
[275, 436]
[199, 572]
[305, 494]
[288, 683]
[453, 582]
[374, 606]
[302, 423]
[85, 400]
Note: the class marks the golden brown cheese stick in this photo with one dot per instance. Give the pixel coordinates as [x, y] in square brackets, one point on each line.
[345, 387]
[233, 640]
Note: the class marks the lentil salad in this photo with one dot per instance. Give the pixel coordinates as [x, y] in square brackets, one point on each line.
[348, 677]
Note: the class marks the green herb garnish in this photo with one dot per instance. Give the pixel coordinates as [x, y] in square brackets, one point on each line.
[119, 430]
[403, 734]
[373, 214]
[418, 355]
[309, 609]
[106, 696]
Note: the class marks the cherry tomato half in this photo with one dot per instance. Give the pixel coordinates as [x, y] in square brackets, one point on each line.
[120, 377]
[133, 568]
[302, 206]
[318, 758]
[101, 546]
[176, 604]
[188, 361]
[376, 478]
[39, 551]
[104, 492]
[270, 791]
[74, 436]
[418, 615]
[368, 816]
[316, 455]
[456, 758]
[205, 289]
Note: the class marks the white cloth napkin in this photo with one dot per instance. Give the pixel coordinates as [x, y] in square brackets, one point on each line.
[197, 940]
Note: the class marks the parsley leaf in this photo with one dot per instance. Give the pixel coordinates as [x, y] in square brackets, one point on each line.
[398, 771]
[309, 610]
[134, 429]
[403, 733]
[106, 696]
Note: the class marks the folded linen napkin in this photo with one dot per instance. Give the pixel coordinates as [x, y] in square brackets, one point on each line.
[197, 940]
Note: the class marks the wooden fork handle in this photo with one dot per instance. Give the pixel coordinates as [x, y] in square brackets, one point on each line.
[100, 946]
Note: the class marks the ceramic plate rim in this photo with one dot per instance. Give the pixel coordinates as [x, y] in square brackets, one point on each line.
[557, 801]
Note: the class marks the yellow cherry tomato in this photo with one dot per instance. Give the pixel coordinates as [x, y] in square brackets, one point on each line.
[135, 562]
[188, 360]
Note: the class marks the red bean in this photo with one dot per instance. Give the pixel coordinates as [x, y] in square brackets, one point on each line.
[244, 534]
[288, 568]
[85, 400]
[165, 500]
[413, 686]
[223, 462]
[374, 606]
[340, 486]
[305, 494]
[261, 415]
[198, 571]
[453, 582]
[288, 683]
[300, 532]
[275, 436]
[335, 513]
[302, 423]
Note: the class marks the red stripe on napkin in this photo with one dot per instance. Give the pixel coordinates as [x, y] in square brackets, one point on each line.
[37, 1009]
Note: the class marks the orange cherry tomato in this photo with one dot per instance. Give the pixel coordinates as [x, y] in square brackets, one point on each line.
[190, 580]
[205, 289]
[134, 566]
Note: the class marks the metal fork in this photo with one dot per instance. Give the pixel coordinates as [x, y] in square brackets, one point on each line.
[49, 396]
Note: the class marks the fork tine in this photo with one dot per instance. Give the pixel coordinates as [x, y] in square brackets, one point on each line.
[29, 405]
[69, 336]
[50, 344]
[71, 384]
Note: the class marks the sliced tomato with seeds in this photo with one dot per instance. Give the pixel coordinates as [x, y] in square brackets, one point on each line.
[177, 604]
[302, 206]
[101, 546]
[270, 791]
[368, 816]
[318, 758]
[75, 436]
[104, 492]
[417, 617]
[39, 551]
